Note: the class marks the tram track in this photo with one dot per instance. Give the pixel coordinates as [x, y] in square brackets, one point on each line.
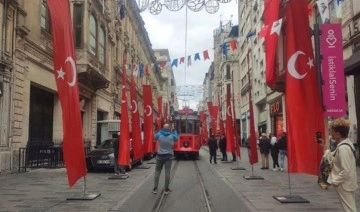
[161, 201]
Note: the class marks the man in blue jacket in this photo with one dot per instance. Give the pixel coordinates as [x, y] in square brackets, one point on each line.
[166, 138]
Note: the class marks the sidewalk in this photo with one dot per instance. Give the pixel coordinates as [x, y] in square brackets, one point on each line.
[47, 189]
[259, 193]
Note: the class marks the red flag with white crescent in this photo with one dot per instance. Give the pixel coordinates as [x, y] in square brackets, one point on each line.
[221, 120]
[302, 99]
[67, 85]
[253, 157]
[135, 126]
[148, 120]
[237, 138]
[124, 139]
[229, 122]
[271, 14]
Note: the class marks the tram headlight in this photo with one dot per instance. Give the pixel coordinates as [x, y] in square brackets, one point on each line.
[186, 143]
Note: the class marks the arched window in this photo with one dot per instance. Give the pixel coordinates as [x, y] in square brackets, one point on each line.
[102, 45]
[92, 36]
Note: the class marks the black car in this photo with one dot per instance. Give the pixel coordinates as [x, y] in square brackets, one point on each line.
[102, 157]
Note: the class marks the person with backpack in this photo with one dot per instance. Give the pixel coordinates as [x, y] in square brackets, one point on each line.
[343, 173]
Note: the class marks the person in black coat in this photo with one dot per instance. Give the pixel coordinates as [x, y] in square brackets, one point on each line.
[212, 143]
[264, 145]
[222, 146]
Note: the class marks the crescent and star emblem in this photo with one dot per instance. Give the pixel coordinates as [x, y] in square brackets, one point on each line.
[228, 112]
[61, 73]
[291, 65]
[149, 112]
[134, 106]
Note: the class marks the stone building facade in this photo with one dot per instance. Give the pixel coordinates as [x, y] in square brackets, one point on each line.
[30, 112]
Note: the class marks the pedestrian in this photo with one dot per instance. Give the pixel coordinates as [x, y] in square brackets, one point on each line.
[343, 173]
[165, 151]
[264, 145]
[274, 151]
[222, 146]
[282, 143]
[212, 143]
[118, 169]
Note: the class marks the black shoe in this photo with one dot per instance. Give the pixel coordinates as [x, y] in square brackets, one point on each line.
[155, 191]
[215, 163]
[263, 168]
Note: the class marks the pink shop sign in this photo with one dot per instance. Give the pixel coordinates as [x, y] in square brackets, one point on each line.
[332, 66]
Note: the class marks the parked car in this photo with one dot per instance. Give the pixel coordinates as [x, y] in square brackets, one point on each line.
[102, 157]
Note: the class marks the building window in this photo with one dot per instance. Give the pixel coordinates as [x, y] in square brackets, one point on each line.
[78, 25]
[102, 45]
[92, 37]
[228, 72]
[45, 17]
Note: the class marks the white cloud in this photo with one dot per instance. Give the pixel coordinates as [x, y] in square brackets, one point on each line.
[167, 31]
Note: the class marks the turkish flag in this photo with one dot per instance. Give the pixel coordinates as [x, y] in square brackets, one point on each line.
[304, 115]
[67, 85]
[237, 138]
[229, 122]
[271, 14]
[124, 142]
[264, 30]
[135, 126]
[253, 154]
[221, 121]
[206, 55]
[233, 45]
[148, 120]
[147, 72]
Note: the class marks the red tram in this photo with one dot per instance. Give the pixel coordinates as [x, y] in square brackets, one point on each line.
[187, 125]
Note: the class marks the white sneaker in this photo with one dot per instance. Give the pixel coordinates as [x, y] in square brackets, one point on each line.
[275, 169]
[281, 169]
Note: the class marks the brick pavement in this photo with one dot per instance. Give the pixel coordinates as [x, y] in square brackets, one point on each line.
[47, 189]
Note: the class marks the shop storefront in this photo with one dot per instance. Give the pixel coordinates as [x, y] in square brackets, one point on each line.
[276, 115]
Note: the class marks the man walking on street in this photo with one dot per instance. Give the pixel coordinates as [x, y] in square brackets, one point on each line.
[212, 143]
[166, 138]
[264, 145]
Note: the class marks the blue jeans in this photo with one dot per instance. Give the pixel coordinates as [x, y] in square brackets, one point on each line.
[160, 162]
[283, 153]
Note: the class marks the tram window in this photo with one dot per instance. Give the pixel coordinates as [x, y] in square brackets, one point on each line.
[190, 126]
[183, 127]
[197, 127]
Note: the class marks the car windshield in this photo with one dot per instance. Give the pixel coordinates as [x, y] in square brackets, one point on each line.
[107, 144]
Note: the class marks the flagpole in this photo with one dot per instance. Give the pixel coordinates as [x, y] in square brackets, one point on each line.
[251, 77]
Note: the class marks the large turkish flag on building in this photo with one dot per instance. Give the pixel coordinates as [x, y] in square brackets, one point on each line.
[135, 117]
[67, 85]
[271, 14]
[304, 115]
[148, 120]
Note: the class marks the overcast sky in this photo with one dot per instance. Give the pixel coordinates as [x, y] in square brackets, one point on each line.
[167, 31]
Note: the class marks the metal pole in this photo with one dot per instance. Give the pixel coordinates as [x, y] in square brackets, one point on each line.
[318, 59]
